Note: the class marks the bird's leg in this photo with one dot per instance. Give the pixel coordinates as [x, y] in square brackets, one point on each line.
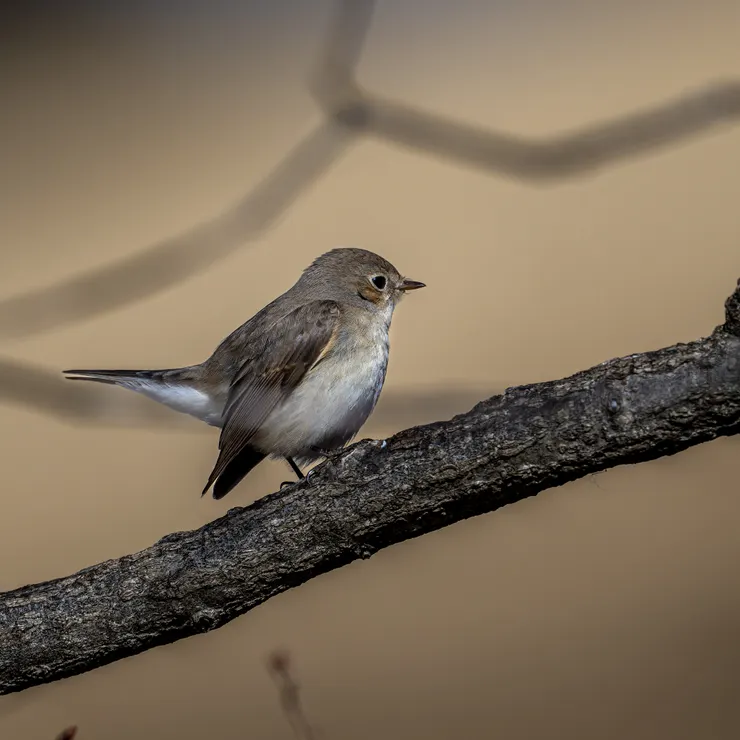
[296, 470]
[326, 454]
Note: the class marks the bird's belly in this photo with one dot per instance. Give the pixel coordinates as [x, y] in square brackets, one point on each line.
[326, 410]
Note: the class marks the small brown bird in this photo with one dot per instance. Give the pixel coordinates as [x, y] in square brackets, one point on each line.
[298, 379]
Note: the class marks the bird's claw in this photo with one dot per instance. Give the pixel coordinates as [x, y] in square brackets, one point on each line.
[329, 456]
[309, 476]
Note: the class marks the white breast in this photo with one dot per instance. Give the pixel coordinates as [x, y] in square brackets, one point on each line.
[334, 400]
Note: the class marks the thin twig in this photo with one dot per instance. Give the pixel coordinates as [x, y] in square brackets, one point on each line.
[279, 666]
[68, 733]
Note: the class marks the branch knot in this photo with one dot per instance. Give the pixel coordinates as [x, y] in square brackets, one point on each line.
[732, 312]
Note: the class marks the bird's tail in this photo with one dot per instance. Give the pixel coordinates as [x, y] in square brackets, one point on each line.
[179, 388]
[120, 377]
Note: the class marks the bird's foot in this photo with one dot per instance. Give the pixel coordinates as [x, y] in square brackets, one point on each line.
[287, 483]
[310, 476]
[329, 456]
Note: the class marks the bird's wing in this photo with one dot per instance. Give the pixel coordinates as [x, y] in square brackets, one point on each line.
[296, 343]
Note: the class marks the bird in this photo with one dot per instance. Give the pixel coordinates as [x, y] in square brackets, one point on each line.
[297, 380]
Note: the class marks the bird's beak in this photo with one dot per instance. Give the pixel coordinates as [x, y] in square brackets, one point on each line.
[410, 285]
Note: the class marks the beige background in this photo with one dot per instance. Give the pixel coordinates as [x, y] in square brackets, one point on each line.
[605, 609]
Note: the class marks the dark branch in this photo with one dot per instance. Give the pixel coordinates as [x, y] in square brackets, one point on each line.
[374, 495]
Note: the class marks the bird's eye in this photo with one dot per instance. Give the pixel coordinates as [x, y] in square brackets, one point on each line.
[378, 281]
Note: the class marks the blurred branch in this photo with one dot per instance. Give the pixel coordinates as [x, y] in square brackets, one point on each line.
[173, 260]
[40, 390]
[169, 262]
[373, 495]
[279, 665]
[552, 158]
[351, 112]
[44, 391]
[68, 734]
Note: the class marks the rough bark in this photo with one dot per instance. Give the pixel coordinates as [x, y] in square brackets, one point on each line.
[377, 493]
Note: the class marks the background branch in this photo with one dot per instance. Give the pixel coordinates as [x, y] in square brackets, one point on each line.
[279, 665]
[67, 734]
[350, 113]
[377, 493]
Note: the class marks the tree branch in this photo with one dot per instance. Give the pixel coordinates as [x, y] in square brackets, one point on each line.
[377, 493]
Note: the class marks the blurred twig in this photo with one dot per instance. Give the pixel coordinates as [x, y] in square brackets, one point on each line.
[337, 91]
[352, 112]
[170, 262]
[45, 391]
[67, 734]
[279, 665]
[553, 158]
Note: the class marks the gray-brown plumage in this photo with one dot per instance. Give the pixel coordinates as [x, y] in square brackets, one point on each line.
[299, 378]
